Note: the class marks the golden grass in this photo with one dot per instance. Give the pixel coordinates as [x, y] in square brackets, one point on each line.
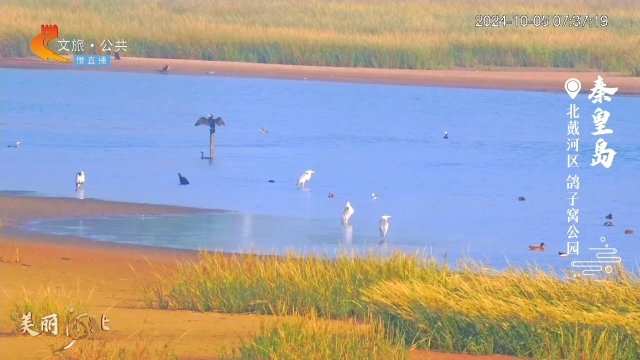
[311, 338]
[422, 34]
[524, 312]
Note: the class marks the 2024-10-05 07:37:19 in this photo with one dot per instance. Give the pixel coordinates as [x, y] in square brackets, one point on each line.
[542, 20]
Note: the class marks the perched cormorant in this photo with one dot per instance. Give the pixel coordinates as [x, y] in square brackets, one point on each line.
[210, 121]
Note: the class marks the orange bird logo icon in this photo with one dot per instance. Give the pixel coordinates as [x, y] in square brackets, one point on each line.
[39, 44]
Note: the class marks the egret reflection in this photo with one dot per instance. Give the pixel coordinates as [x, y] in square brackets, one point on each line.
[347, 235]
[80, 194]
[246, 227]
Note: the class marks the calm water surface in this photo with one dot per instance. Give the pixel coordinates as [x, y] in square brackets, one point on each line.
[132, 134]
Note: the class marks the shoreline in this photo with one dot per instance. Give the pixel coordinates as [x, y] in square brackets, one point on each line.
[518, 79]
[107, 277]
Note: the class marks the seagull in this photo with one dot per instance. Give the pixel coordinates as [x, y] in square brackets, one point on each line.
[446, 135]
[202, 156]
[384, 225]
[373, 196]
[209, 120]
[16, 145]
[562, 254]
[164, 70]
[183, 180]
[304, 178]
[346, 214]
[264, 131]
[79, 179]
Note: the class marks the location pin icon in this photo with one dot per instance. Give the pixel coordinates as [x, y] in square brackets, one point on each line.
[573, 86]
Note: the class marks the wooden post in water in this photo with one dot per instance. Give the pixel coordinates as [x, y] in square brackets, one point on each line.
[212, 141]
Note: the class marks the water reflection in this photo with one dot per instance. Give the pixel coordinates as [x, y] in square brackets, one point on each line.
[80, 194]
[236, 232]
[347, 235]
[246, 228]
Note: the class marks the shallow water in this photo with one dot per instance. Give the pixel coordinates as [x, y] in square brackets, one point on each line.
[132, 134]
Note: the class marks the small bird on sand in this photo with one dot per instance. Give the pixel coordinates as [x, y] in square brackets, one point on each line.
[15, 145]
[373, 196]
[79, 179]
[562, 254]
[384, 225]
[331, 196]
[609, 217]
[446, 135]
[521, 198]
[346, 213]
[304, 178]
[164, 70]
[628, 232]
[203, 157]
[183, 180]
[264, 131]
[608, 223]
[537, 247]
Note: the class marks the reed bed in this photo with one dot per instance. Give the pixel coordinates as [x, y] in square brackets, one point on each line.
[404, 34]
[311, 338]
[539, 318]
[470, 308]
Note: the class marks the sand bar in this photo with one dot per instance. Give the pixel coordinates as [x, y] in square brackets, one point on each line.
[532, 79]
[107, 277]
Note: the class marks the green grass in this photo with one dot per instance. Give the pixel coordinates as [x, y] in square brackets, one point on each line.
[309, 338]
[422, 34]
[473, 309]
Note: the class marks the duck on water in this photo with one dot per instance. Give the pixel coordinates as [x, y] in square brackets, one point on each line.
[537, 247]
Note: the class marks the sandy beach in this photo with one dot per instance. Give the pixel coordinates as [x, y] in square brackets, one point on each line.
[106, 277]
[532, 79]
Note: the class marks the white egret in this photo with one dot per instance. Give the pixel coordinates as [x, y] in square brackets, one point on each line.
[346, 214]
[79, 179]
[384, 225]
[304, 178]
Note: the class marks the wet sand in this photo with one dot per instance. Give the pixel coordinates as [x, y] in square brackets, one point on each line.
[535, 79]
[106, 277]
